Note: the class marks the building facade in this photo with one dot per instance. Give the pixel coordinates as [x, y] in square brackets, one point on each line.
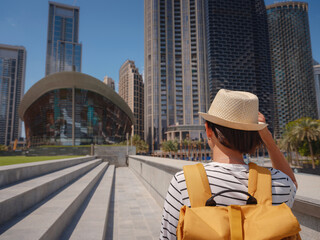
[316, 69]
[12, 80]
[109, 81]
[71, 108]
[131, 89]
[238, 53]
[174, 69]
[63, 47]
[292, 63]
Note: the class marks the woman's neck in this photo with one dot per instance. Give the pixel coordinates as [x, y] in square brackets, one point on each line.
[227, 155]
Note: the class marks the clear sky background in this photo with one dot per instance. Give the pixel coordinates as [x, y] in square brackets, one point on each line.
[111, 31]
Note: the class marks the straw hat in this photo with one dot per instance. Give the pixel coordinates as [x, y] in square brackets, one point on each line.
[235, 109]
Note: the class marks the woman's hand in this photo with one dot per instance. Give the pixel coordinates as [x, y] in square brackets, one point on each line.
[261, 118]
[263, 132]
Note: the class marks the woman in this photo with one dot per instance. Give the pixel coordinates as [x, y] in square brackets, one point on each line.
[234, 127]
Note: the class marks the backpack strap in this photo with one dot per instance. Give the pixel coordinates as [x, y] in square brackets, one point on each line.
[197, 184]
[199, 190]
[260, 185]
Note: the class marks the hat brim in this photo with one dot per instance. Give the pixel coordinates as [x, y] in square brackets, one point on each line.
[234, 125]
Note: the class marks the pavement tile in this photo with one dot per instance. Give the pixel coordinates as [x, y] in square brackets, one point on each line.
[136, 215]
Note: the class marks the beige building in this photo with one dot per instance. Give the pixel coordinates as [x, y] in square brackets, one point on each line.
[131, 89]
[109, 81]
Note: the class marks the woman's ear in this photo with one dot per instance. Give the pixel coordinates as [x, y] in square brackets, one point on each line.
[210, 135]
[208, 130]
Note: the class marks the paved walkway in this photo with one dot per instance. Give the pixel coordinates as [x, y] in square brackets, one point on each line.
[136, 215]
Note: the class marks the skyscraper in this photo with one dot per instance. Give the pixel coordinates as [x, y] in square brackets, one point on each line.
[63, 47]
[109, 81]
[175, 70]
[131, 89]
[12, 79]
[316, 69]
[291, 57]
[238, 53]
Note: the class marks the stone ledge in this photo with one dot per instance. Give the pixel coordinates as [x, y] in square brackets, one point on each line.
[18, 172]
[307, 206]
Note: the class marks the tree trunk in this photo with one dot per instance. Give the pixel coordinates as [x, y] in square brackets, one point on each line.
[185, 150]
[297, 156]
[312, 157]
[289, 155]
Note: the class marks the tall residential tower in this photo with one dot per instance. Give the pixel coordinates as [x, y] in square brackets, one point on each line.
[292, 63]
[131, 89]
[12, 79]
[316, 69]
[109, 81]
[63, 47]
[238, 52]
[174, 69]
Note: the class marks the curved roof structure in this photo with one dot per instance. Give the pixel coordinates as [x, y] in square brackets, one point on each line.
[71, 80]
[287, 3]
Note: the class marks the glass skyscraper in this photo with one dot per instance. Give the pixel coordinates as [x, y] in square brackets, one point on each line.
[12, 80]
[174, 69]
[316, 69]
[63, 47]
[292, 63]
[238, 52]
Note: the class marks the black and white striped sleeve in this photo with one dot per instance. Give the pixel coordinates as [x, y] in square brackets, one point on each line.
[171, 211]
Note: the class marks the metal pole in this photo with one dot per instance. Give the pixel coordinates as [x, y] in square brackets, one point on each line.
[73, 116]
[127, 135]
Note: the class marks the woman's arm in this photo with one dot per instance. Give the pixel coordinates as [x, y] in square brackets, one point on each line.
[277, 158]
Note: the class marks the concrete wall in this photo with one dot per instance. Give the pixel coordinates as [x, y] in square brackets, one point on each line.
[115, 155]
[156, 174]
[307, 212]
[58, 151]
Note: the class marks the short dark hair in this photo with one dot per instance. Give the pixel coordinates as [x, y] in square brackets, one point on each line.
[240, 140]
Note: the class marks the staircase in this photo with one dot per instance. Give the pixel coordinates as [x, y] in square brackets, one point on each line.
[56, 199]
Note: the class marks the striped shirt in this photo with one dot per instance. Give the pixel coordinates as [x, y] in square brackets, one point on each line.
[221, 176]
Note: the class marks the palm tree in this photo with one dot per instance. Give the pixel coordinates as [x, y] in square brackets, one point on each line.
[170, 146]
[185, 144]
[141, 145]
[199, 143]
[165, 147]
[195, 145]
[285, 145]
[307, 129]
[175, 147]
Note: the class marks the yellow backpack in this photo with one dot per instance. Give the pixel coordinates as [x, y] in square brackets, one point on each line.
[255, 221]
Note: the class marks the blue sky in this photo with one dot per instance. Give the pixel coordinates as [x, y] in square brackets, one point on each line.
[111, 31]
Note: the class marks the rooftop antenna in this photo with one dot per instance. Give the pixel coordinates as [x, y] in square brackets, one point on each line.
[74, 2]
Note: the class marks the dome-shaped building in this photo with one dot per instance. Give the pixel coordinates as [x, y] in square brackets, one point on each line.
[72, 108]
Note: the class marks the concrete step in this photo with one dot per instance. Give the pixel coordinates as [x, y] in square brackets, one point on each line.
[91, 220]
[20, 197]
[50, 219]
[14, 173]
